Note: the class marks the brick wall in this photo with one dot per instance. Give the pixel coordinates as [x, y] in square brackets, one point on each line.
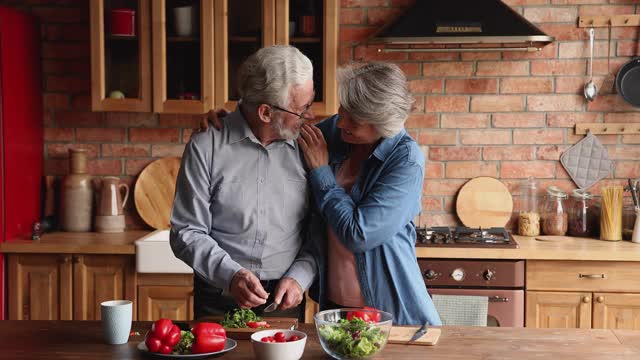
[507, 115]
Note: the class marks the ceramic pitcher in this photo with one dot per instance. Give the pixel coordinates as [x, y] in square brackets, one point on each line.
[110, 199]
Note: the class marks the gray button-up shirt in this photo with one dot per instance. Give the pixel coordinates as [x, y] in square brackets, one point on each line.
[239, 204]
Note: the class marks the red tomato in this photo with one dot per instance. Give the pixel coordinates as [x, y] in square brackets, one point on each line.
[268, 339]
[294, 338]
[280, 337]
[368, 316]
[257, 324]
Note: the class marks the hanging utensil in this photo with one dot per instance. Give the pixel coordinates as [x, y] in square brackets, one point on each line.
[628, 82]
[590, 89]
[609, 83]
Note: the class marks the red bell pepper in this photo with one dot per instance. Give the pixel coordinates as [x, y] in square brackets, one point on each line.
[371, 316]
[209, 337]
[164, 335]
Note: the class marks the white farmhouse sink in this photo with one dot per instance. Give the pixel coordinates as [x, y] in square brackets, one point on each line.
[154, 255]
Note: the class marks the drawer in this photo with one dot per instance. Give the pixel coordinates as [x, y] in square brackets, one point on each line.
[614, 276]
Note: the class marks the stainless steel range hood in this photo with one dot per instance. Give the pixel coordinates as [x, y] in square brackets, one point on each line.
[460, 25]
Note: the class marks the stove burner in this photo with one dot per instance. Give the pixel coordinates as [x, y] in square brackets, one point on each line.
[465, 237]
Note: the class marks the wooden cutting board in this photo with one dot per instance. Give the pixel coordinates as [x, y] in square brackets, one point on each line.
[484, 202]
[402, 335]
[154, 191]
[245, 333]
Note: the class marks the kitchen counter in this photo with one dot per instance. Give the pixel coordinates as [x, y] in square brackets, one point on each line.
[83, 340]
[565, 248]
[77, 243]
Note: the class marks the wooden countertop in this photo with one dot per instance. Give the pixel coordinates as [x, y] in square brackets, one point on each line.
[62, 340]
[77, 242]
[566, 248]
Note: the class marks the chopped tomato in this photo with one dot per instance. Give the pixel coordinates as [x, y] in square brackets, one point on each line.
[368, 316]
[257, 324]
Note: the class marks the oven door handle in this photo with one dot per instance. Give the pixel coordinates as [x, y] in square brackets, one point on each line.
[498, 299]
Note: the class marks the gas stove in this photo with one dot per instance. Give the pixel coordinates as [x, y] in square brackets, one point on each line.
[463, 236]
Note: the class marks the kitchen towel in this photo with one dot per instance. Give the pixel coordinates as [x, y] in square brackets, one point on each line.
[587, 161]
[462, 309]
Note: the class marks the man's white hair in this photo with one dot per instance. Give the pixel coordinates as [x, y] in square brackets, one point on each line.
[267, 76]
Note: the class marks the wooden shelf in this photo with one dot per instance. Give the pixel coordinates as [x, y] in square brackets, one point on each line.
[183, 39]
[606, 21]
[121, 38]
[608, 128]
[243, 39]
[305, 40]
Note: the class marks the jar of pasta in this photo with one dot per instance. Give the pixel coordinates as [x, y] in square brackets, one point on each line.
[529, 215]
[581, 214]
[554, 214]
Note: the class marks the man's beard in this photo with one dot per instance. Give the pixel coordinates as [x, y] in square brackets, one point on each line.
[284, 133]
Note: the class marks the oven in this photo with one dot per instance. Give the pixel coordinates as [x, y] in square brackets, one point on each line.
[501, 281]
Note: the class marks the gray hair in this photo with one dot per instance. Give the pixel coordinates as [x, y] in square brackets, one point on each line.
[376, 93]
[267, 76]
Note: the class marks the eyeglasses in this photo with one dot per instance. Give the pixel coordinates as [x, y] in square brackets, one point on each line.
[301, 115]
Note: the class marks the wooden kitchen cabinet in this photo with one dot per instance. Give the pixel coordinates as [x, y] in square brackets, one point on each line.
[66, 286]
[165, 295]
[195, 72]
[583, 294]
[98, 278]
[171, 302]
[244, 26]
[558, 309]
[118, 62]
[183, 58]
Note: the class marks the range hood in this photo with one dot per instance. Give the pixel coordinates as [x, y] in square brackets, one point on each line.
[460, 25]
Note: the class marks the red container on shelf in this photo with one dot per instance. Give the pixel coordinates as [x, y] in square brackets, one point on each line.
[123, 22]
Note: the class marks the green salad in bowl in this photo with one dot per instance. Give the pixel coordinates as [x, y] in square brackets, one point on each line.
[353, 333]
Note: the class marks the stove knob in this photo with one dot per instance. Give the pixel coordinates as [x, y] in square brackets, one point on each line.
[488, 275]
[457, 274]
[430, 274]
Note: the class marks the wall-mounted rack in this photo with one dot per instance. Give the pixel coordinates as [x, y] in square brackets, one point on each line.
[606, 21]
[608, 128]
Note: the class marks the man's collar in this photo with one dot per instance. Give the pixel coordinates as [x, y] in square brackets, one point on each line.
[239, 129]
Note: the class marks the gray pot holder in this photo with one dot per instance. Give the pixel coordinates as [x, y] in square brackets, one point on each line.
[587, 161]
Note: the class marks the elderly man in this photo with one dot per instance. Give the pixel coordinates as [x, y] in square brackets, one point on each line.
[241, 194]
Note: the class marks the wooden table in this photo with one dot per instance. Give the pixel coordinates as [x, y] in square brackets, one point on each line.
[61, 340]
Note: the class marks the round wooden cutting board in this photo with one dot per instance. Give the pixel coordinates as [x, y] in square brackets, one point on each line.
[484, 202]
[154, 192]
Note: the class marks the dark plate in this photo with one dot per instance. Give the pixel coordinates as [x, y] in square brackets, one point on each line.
[628, 82]
[230, 345]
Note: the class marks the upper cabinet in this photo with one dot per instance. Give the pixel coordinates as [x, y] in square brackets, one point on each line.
[182, 56]
[120, 55]
[197, 47]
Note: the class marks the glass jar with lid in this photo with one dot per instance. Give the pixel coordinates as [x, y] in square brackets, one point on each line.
[581, 214]
[554, 214]
[529, 214]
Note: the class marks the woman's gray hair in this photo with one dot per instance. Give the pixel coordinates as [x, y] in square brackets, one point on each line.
[267, 75]
[376, 93]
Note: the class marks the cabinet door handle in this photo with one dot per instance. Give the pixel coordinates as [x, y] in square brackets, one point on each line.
[498, 299]
[600, 299]
[64, 259]
[592, 276]
[586, 299]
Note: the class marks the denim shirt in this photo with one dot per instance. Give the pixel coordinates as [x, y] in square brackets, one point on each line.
[375, 222]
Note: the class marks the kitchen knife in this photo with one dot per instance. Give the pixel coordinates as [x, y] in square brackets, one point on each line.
[420, 332]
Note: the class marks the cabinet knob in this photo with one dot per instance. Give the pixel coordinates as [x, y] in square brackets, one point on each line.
[586, 299]
[600, 299]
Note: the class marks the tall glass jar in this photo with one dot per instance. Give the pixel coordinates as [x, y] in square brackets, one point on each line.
[581, 214]
[529, 214]
[554, 214]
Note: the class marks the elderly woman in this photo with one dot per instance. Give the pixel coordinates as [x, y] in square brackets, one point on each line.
[366, 175]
